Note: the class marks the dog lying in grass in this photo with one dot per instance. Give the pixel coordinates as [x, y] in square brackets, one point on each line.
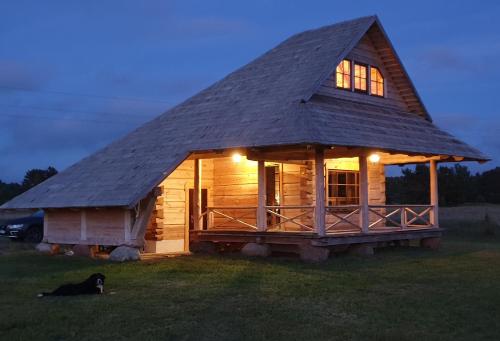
[92, 285]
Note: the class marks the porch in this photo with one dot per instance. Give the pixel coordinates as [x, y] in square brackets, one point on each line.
[304, 196]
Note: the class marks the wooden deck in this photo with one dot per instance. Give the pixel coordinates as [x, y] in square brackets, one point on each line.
[380, 235]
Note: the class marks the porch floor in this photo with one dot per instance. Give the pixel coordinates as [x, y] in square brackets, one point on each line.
[334, 238]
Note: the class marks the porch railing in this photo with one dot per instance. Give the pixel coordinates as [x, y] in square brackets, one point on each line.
[298, 218]
[400, 216]
[231, 217]
[290, 218]
[342, 218]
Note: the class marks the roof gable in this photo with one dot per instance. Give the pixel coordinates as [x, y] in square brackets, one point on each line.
[374, 47]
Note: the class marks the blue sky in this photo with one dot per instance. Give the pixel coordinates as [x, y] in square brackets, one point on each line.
[75, 75]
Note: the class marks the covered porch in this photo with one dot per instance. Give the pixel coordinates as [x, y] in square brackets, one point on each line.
[309, 195]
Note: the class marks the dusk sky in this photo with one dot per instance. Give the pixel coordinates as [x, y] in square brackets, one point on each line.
[76, 75]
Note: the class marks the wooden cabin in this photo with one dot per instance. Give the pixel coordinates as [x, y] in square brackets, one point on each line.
[287, 153]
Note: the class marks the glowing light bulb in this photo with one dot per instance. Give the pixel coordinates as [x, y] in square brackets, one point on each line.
[374, 158]
[236, 157]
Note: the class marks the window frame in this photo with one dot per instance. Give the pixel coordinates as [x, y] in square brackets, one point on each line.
[349, 200]
[367, 67]
[378, 83]
[350, 63]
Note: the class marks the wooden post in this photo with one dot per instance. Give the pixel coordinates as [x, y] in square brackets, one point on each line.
[83, 225]
[127, 224]
[261, 201]
[45, 225]
[197, 214]
[319, 208]
[364, 220]
[434, 213]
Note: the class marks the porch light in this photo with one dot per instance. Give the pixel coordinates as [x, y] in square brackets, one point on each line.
[374, 158]
[236, 157]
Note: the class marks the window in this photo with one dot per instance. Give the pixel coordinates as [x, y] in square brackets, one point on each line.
[343, 74]
[360, 78]
[343, 187]
[376, 82]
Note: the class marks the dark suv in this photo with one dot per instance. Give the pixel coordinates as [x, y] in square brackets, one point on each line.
[29, 228]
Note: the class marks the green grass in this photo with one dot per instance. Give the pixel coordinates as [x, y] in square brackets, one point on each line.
[400, 294]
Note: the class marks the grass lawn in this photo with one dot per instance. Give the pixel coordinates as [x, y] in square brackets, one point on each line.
[400, 294]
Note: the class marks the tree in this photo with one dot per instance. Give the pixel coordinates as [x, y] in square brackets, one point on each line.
[35, 176]
[32, 178]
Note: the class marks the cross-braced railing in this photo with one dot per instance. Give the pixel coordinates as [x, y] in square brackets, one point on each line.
[400, 216]
[229, 217]
[345, 218]
[286, 218]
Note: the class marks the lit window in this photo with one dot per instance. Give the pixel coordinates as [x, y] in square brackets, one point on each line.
[360, 78]
[376, 82]
[343, 75]
[343, 187]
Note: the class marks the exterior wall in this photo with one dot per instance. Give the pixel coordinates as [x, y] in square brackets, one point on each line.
[166, 231]
[228, 184]
[366, 53]
[103, 226]
[235, 184]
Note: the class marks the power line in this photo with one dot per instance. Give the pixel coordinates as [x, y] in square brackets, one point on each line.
[73, 111]
[23, 116]
[137, 99]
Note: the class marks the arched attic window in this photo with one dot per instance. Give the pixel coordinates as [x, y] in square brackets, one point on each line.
[376, 82]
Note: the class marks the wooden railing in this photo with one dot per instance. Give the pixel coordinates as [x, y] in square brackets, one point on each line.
[400, 216]
[299, 218]
[231, 217]
[345, 218]
[290, 218]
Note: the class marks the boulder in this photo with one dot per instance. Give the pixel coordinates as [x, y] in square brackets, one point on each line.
[124, 253]
[48, 248]
[256, 250]
[315, 254]
[433, 243]
[364, 250]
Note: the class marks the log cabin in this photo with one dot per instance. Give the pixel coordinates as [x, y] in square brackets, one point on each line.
[286, 153]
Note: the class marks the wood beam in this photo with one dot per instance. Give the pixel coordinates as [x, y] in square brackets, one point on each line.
[83, 225]
[127, 224]
[197, 214]
[45, 225]
[434, 194]
[364, 221]
[319, 208]
[261, 203]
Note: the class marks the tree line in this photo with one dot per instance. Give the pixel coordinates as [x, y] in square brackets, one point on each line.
[32, 178]
[457, 185]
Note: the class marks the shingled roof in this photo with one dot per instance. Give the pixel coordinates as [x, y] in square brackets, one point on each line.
[268, 102]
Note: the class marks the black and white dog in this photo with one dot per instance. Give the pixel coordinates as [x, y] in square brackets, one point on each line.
[92, 285]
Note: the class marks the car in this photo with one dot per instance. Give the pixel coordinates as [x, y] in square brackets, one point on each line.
[29, 229]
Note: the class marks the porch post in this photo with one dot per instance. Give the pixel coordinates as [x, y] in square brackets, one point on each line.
[197, 214]
[364, 220]
[434, 213]
[319, 208]
[261, 201]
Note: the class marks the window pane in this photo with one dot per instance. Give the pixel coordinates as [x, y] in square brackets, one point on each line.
[343, 75]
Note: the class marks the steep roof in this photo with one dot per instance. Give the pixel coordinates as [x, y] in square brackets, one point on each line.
[267, 102]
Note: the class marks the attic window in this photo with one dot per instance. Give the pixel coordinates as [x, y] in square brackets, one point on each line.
[376, 82]
[343, 74]
[360, 77]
